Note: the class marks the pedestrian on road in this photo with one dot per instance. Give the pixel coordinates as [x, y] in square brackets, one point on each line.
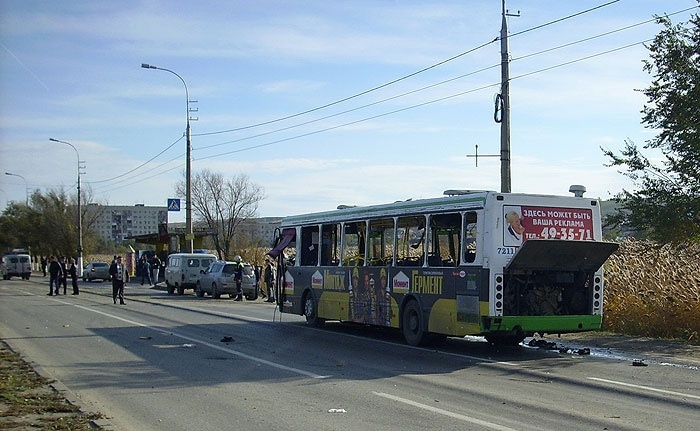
[73, 271]
[258, 285]
[54, 273]
[145, 271]
[155, 268]
[63, 279]
[43, 265]
[269, 276]
[238, 277]
[119, 278]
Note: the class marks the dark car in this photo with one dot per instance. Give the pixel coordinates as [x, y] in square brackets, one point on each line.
[219, 279]
[96, 271]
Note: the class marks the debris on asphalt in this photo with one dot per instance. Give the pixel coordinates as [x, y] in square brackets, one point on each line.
[639, 363]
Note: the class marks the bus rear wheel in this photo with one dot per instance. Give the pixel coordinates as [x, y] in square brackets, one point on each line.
[311, 311]
[412, 325]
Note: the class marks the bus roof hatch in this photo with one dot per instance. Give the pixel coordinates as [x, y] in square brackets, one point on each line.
[561, 255]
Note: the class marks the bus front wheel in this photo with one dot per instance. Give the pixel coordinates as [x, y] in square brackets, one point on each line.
[311, 311]
[412, 324]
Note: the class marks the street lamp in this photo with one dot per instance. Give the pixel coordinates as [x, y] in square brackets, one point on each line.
[80, 215]
[26, 187]
[188, 169]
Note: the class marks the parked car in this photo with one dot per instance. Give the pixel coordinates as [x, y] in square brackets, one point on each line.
[219, 279]
[96, 271]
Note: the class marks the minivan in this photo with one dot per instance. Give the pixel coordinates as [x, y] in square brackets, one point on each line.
[184, 269]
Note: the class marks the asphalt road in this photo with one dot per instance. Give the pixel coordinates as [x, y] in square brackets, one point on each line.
[165, 362]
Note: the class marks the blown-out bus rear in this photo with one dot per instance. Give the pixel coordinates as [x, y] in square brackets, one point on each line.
[500, 265]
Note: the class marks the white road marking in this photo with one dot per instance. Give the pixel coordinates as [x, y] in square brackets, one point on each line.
[461, 417]
[645, 388]
[202, 342]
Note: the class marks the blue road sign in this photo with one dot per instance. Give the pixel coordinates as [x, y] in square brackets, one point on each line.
[173, 204]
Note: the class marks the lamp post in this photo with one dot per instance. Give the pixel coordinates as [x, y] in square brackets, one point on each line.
[188, 169]
[26, 187]
[80, 215]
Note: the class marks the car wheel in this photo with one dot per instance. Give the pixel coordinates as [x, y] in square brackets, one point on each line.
[180, 290]
[198, 291]
[170, 287]
[214, 293]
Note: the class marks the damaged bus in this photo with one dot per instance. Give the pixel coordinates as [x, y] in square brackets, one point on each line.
[499, 265]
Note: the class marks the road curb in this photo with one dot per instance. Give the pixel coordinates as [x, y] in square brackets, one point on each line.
[66, 393]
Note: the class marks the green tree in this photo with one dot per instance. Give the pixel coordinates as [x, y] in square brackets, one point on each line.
[665, 206]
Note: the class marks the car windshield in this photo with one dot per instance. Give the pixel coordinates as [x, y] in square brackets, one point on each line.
[99, 264]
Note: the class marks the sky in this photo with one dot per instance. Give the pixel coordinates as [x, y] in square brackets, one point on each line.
[321, 103]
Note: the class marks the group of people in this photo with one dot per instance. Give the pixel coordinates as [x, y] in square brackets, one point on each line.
[59, 271]
[149, 269]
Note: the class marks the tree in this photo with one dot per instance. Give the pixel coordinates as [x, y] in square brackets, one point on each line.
[666, 205]
[222, 205]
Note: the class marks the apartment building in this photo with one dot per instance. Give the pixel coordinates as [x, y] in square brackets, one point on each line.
[117, 222]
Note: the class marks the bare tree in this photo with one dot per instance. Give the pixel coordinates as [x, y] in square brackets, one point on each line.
[222, 205]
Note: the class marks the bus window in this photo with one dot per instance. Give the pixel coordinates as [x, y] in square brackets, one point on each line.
[410, 233]
[444, 244]
[354, 243]
[330, 245]
[470, 237]
[381, 242]
[309, 246]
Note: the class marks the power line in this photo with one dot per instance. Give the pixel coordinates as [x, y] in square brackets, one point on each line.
[425, 69]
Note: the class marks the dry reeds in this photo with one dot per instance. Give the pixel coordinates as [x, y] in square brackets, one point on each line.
[653, 291]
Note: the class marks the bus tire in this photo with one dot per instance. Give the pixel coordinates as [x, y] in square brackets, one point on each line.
[180, 290]
[412, 324]
[170, 287]
[311, 311]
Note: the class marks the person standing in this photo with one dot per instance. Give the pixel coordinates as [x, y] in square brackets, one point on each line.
[145, 271]
[64, 274]
[269, 276]
[73, 271]
[119, 278]
[54, 274]
[258, 285]
[155, 268]
[238, 277]
[43, 265]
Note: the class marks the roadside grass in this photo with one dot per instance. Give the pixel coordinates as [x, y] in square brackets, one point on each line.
[653, 291]
[29, 402]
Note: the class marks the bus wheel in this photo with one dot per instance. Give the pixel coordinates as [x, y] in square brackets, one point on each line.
[311, 311]
[180, 290]
[199, 292]
[412, 324]
[171, 288]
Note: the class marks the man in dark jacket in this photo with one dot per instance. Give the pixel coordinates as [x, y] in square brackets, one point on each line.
[54, 275]
[119, 277]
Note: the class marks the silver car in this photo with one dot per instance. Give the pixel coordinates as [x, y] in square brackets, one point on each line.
[219, 279]
[96, 271]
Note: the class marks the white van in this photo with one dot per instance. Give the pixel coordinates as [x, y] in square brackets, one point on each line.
[17, 264]
[184, 269]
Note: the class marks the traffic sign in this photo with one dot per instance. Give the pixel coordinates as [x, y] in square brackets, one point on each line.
[173, 204]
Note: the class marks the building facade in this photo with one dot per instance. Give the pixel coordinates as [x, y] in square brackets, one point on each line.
[117, 222]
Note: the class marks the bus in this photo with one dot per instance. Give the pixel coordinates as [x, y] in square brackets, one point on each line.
[499, 265]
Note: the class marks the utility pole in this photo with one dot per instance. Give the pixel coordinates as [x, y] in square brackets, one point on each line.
[504, 98]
